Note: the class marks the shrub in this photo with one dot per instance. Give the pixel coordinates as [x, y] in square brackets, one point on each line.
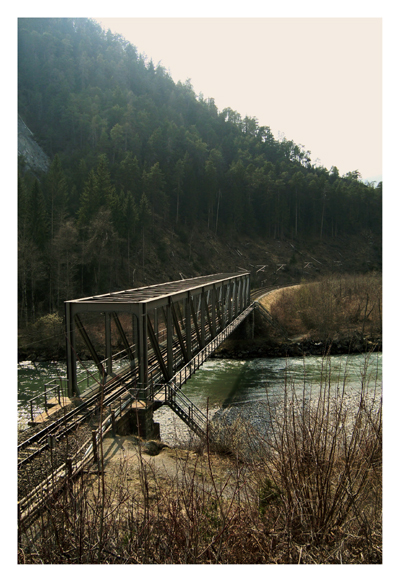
[325, 460]
[46, 334]
[311, 494]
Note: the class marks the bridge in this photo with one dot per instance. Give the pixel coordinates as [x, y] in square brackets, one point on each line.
[146, 343]
[166, 332]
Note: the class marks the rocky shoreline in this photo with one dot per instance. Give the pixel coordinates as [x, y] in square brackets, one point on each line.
[356, 344]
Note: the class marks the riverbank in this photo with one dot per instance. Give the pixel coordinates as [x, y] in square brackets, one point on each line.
[249, 349]
[336, 316]
[260, 348]
[145, 503]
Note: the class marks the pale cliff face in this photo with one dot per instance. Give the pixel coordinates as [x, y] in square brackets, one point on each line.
[34, 156]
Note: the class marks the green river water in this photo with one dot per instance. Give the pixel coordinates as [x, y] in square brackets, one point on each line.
[224, 385]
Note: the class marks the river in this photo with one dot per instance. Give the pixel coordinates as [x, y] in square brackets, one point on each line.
[245, 387]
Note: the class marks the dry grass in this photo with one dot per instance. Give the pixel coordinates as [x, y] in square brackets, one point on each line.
[307, 490]
[332, 306]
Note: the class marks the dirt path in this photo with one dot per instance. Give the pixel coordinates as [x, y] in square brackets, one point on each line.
[125, 462]
[126, 449]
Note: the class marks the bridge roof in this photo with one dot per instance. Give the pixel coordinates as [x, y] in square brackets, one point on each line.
[153, 292]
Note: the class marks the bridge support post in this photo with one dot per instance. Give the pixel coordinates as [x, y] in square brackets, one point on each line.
[138, 420]
[134, 340]
[143, 356]
[202, 318]
[142, 423]
[170, 353]
[247, 292]
[156, 322]
[188, 327]
[230, 301]
[246, 289]
[108, 342]
[213, 315]
[234, 299]
[71, 350]
[223, 306]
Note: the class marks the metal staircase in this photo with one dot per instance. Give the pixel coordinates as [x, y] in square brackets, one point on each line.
[186, 410]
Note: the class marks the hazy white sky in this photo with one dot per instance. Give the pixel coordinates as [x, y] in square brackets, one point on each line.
[318, 81]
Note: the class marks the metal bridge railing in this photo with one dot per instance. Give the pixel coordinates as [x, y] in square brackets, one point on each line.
[173, 395]
[42, 400]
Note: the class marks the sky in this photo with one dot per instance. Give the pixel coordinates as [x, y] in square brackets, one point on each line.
[316, 81]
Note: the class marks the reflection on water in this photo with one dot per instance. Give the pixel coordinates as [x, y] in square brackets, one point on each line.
[220, 384]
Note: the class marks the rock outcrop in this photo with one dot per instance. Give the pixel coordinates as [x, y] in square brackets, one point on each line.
[34, 157]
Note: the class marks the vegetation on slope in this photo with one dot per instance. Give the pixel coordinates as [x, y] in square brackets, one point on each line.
[140, 164]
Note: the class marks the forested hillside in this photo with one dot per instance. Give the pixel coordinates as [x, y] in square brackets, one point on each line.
[140, 165]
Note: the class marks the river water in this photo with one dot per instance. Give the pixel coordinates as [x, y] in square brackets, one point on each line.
[244, 387]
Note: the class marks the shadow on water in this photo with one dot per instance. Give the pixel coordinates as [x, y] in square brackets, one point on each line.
[236, 388]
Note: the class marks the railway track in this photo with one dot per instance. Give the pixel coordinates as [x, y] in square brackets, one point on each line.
[47, 458]
[63, 425]
[43, 456]
[117, 393]
[257, 293]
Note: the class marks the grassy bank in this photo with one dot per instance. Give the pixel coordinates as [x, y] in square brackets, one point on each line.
[332, 307]
[335, 315]
[306, 490]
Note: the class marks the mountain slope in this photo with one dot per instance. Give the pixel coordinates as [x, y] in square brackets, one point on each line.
[148, 182]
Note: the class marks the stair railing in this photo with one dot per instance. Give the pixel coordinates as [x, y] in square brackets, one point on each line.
[173, 396]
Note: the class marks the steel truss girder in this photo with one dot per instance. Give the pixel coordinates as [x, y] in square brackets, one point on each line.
[157, 351]
[123, 336]
[209, 304]
[89, 345]
[179, 333]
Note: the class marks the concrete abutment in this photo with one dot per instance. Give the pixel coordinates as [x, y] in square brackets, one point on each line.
[138, 420]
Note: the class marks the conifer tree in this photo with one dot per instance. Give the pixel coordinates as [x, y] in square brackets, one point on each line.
[57, 195]
[98, 192]
[37, 223]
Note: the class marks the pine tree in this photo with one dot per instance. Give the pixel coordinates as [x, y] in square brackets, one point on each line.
[37, 223]
[98, 192]
[57, 195]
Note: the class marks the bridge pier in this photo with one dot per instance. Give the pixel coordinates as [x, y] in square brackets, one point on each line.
[138, 420]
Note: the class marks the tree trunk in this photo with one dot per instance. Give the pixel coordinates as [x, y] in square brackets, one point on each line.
[322, 217]
[216, 220]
